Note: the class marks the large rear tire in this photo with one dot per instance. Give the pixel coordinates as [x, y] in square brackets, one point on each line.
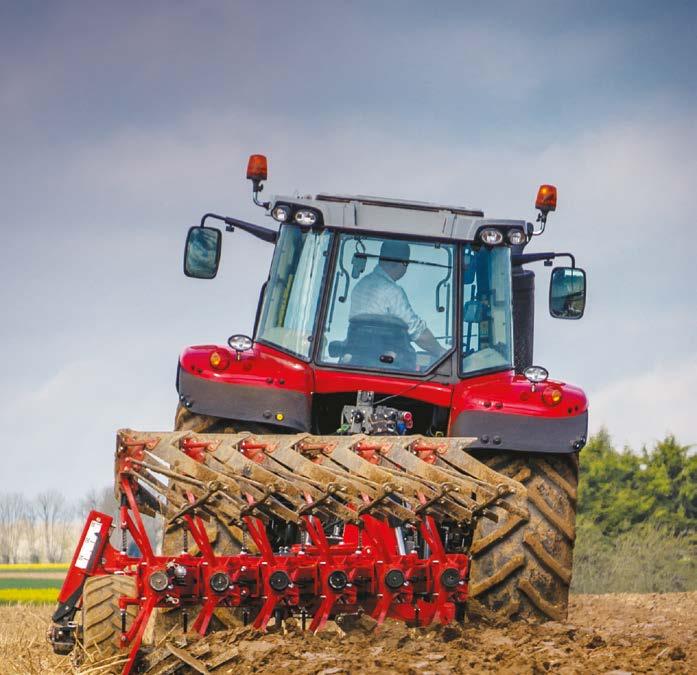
[101, 621]
[521, 569]
[185, 420]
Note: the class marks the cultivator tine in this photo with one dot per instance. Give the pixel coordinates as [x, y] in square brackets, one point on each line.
[344, 477]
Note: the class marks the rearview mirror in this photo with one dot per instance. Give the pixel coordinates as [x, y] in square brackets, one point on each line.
[202, 252]
[567, 293]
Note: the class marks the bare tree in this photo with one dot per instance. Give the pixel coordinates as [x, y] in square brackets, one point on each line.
[13, 512]
[33, 534]
[54, 521]
[104, 501]
[98, 499]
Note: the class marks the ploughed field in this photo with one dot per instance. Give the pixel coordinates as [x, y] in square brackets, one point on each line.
[621, 633]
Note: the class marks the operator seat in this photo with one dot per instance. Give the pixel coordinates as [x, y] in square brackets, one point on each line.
[375, 341]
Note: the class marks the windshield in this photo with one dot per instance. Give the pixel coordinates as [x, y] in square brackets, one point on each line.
[487, 334]
[391, 304]
[293, 290]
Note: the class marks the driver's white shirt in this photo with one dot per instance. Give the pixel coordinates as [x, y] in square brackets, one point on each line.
[377, 293]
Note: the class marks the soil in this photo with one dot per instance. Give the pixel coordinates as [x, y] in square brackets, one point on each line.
[613, 634]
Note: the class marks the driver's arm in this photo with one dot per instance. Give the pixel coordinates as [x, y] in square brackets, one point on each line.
[428, 342]
[418, 331]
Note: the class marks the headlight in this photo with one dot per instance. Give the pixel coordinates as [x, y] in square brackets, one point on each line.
[516, 237]
[491, 236]
[281, 213]
[240, 343]
[536, 374]
[305, 217]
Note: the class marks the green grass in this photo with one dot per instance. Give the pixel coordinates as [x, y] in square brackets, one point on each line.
[20, 582]
[34, 567]
[645, 559]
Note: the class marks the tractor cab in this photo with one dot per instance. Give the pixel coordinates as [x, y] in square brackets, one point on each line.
[370, 283]
[368, 300]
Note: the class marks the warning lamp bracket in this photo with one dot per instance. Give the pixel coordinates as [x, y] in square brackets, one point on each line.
[542, 219]
[257, 187]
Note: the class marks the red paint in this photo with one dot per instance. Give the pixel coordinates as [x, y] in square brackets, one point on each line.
[334, 381]
[502, 392]
[260, 366]
[508, 393]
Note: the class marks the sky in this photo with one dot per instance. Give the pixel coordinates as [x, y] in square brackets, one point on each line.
[122, 123]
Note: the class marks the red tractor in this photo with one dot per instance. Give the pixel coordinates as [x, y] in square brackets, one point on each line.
[318, 341]
[390, 337]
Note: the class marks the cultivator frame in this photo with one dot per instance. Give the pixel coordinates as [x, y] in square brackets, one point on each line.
[376, 489]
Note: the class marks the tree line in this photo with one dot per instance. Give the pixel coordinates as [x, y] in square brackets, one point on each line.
[46, 527]
[621, 489]
[637, 518]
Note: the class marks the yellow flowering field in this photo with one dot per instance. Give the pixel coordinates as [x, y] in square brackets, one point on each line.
[28, 595]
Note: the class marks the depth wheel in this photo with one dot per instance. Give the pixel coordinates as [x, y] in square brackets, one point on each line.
[101, 622]
[522, 569]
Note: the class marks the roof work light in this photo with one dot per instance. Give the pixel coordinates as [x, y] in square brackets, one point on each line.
[491, 236]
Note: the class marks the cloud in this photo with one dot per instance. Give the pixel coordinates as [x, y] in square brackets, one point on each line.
[641, 409]
[65, 427]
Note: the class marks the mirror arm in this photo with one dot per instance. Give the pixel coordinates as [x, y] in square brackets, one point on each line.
[263, 233]
[525, 258]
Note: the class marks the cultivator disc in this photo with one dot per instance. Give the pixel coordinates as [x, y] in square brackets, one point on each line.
[370, 524]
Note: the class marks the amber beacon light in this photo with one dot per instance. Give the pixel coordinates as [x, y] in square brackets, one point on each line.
[257, 169]
[546, 198]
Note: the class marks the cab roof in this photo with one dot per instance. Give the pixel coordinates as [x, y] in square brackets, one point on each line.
[395, 216]
[399, 204]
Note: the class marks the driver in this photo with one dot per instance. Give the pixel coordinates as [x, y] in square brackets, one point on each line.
[378, 293]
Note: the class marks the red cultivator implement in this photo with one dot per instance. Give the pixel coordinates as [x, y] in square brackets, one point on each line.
[379, 525]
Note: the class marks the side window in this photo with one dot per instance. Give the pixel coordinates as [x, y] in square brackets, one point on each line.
[292, 293]
[486, 311]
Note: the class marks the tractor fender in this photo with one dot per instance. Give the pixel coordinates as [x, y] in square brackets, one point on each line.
[522, 433]
[506, 412]
[285, 408]
[260, 385]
